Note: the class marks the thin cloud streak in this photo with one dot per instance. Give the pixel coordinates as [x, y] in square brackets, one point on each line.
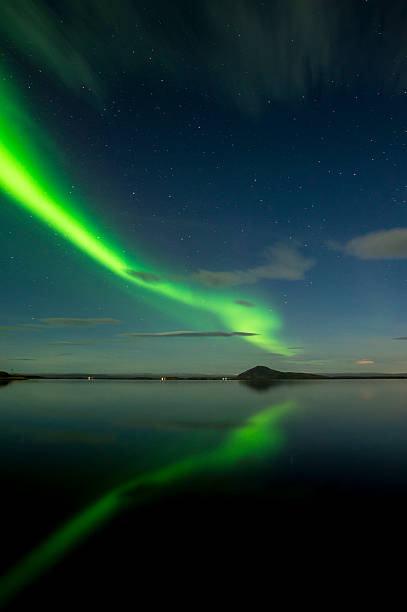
[76, 322]
[69, 343]
[187, 334]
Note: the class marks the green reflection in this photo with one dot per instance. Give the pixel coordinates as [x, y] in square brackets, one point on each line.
[258, 437]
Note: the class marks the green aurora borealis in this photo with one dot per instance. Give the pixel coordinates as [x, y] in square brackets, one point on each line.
[24, 182]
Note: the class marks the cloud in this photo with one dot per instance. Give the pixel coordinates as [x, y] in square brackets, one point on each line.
[145, 276]
[293, 348]
[364, 362]
[244, 303]
[22, 359]
[384, 244]
[22, 327]
[187, 334]
[68, 342]
[54, 322]
[401, 338]
[33, 326]
[73, 322]
[282, 263]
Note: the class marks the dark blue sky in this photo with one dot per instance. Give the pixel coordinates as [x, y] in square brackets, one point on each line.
[247, 145]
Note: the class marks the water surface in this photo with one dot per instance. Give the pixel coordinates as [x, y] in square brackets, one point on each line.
[204, 461]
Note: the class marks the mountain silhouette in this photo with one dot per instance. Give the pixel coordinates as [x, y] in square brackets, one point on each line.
[265, 373]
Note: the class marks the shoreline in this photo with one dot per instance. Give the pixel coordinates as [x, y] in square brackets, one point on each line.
[90, 378]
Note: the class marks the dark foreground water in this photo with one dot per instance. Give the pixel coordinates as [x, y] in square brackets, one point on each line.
[121, 489]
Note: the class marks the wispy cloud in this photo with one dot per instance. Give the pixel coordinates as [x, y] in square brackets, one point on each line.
[244, 303]
[23, 327]
[147, 277]
[187, 334]
[33, 326]
[75, 322]
[283, 262]
[364, 362]
[383, 244]
[401, 338]
[69, 343]
[58, 322]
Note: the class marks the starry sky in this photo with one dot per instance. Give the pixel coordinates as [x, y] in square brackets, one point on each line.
[242, 165]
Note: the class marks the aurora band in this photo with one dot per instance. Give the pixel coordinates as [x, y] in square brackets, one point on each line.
[25, 177]
[259, 437]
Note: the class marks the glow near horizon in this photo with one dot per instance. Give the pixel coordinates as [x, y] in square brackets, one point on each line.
[25, 183]
[259, 435]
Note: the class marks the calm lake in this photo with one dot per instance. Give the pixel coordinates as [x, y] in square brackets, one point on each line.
[181, 470]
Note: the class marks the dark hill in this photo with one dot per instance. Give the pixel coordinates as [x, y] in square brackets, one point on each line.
[264, 373]
[260, 372]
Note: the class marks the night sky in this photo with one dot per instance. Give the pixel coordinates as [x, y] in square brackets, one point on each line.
[245, 161]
